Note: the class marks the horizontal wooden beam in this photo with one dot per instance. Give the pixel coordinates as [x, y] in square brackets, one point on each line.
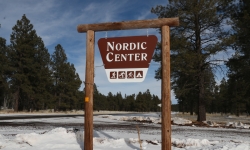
[126, 25]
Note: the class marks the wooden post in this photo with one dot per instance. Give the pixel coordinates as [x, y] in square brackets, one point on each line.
[164, 24]
[89, 85]
[165, 89]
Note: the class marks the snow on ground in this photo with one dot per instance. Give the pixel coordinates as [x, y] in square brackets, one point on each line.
[59, 138]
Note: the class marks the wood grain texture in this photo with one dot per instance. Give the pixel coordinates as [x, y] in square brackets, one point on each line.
[89, 85]
[166, 89]
[126, 25]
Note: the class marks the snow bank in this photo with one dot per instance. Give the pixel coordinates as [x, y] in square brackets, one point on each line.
[68, 139]
[181, 121]
[133, 118]
[211, 123]
[176, 120]
[112, 143]
[238, 125]
[56, 139]
[155, 120]
[186, 143]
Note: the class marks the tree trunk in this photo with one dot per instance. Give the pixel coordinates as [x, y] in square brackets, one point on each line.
[201, 104]
[5, 102]
[59, 101]
[191, 108]
[201, 100]
[237, 110]
[16, 99]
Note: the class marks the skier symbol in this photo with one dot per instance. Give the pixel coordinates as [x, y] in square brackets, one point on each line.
[130, 74]
[113, 75]
[121, 74]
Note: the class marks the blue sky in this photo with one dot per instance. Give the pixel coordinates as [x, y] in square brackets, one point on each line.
[55, 21]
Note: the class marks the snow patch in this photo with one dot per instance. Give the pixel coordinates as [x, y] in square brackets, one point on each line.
[238, 125]
[72, 139]
[211, 123]
[180, 121]
[113, 143]
[133, 118]
[57, 138]
[182, 143]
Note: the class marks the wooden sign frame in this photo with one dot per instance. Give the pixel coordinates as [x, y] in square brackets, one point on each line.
[164, 24]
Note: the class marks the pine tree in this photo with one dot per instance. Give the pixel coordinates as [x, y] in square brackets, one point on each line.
[3, 59]
[119, 100]
[223, 98]
[129, 102]
[65, 80]
[239, 64]
[111, 101]
[24, 42]
[41, 80]
[59, 60]
[100, 102]
[140, 106]
[147, 100]
[72, 83]
[199, 37]
[4, 62]
[80, 102]
[156, 102]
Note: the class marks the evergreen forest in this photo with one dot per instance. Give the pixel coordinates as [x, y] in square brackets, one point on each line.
[32, 79]
[211, 41]
[203, 80]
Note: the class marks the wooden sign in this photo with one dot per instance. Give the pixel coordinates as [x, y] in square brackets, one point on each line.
[90, 29]
[126, 59]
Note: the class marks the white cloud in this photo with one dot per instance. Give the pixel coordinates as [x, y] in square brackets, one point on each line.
[56, 22]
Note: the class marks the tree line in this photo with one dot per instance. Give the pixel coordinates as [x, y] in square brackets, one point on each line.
[208, 31]
[142, 102]
[32, 79]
